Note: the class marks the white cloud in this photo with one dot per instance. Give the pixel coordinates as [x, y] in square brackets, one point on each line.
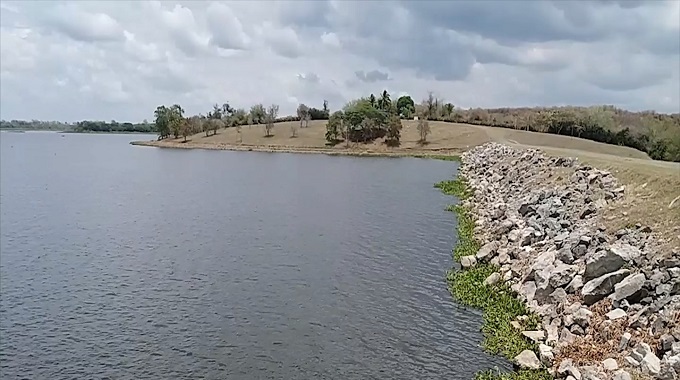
[119, 60]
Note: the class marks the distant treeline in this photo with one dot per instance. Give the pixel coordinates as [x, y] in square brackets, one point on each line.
[654, 133]
[81, 126]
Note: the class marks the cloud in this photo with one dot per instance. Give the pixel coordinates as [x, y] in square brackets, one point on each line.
[371, 76]
[119, 60]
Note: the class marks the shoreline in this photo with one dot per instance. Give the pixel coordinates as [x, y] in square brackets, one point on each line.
[441, 154]
[562, 295]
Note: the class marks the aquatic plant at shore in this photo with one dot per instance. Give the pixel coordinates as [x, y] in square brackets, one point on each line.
[499, 304]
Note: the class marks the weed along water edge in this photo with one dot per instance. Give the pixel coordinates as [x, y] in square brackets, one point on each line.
[563, 294]
[469, 287]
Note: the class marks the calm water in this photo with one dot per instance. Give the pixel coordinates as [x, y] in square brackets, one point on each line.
[126, 262]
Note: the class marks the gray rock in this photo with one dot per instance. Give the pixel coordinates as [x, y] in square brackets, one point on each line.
[621, 375]
[468, 261]
[616, 314]
[545, 353]
[566, 337]
[610, 364]
[552, 333]
[562, 274]
[666, 342]
[582, 317]
[528, 290]
[667, 372]
[567, 368]
[675, 348]
[578, 330]
[600, 287]
[650, 364]
[604, 262]
[631, 361]
[528, 359]
[493, 279]
[503, 257]
[487, 251]
[526, 236]
[623, 343]
[559, 296]
[629, 288]
[576, 284]
[536, 336]
[565, 255]
[640, 351]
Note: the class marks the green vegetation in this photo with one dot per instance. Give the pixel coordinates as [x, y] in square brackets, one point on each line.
[82, 126]
[499, 304]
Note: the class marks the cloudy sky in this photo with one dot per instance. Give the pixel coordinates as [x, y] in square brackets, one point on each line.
[118, 60]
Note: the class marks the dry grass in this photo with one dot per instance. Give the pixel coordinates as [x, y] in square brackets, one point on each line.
[650, 185]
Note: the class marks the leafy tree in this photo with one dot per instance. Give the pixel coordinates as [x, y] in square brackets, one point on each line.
[364, 122]
[333, 127]
[423, 130]
[448, 109]
[405, 106]
[372, 100]
[162, 121]
[185, 128]
[257, 114]
[385, 103]
[393, 131]
[303, 115]
[325, 107]
[270, 118]
[431, 105]
[216, 124]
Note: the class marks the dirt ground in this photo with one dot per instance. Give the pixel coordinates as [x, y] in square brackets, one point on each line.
[651, 186]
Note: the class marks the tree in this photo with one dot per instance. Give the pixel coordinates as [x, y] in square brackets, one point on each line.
[176, 115]
[195, 124]
[227, 112]
[293, 130]
[430, 105]
[448, 109]
[270, 117]
[325, 107]
[333, 127]
[372, 100]
[215, 125]
[162, 121]
[405, 106]
[385, 103]
[393, 131]
[185, 128]
[303, 114]
[257, 114]
[423, 130]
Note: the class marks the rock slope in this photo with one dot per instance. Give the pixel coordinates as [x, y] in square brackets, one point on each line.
[609, 300]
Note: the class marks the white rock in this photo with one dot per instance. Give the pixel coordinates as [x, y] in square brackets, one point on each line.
[616, 314]
[546, 355]
[628, 286]
[468, 261]
[621, 375]
[535, 336]
[650, 364]
[610, 364]
[528, 359]
[582, 317]
[567, 368]
[493, 279]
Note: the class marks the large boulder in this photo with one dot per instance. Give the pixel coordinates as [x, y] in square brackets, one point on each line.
[629, 287]
[609, 260]
[527, 359]
[600, 287]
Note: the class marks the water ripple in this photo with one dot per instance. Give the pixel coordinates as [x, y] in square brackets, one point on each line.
[136, 263]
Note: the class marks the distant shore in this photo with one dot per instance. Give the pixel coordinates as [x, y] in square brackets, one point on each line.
[444, 154]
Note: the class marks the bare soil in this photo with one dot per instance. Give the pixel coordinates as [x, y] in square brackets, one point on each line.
[651, 186]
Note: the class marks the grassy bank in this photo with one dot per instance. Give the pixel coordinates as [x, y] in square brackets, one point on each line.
[499, 304]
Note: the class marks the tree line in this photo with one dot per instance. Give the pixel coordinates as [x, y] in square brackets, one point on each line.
[81, 126]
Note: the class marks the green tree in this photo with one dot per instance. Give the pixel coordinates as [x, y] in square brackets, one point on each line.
[257, 114]
[303, 115]
[333, 128]
[372, 100]
[385, 103]
[393, 136]
[448, 109]
[405, 106]
[162, 121]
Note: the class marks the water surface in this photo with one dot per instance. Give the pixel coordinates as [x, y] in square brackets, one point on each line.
[126, 262]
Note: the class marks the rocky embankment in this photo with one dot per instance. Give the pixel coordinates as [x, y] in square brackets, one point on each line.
[609, 301]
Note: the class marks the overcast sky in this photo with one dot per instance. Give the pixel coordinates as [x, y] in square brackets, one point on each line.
[119, 60]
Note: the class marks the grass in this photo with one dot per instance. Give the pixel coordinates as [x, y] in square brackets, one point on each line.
[499, 304]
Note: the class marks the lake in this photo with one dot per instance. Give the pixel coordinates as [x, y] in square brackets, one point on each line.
[125, 262]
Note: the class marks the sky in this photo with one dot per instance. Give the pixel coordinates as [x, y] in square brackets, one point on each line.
[119, 60]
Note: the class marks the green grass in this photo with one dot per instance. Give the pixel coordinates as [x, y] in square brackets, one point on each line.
[437, 157]
[499, 304]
